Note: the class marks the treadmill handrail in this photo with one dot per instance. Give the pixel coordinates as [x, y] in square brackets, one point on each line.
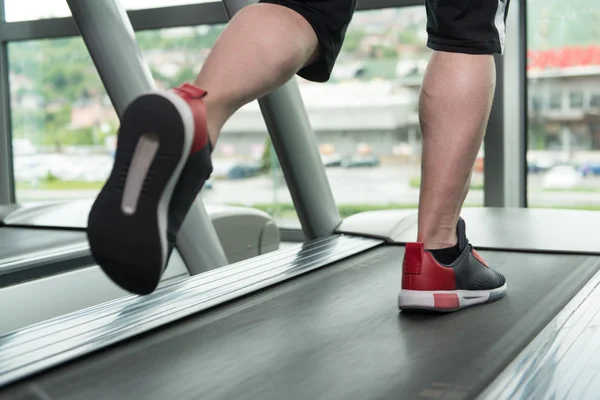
[34, 259]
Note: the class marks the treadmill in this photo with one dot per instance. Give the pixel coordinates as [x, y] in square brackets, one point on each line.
[28, 252]
[319, 319]
[44, 251]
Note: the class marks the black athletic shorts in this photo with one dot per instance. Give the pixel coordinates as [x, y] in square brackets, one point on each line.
[456, 26]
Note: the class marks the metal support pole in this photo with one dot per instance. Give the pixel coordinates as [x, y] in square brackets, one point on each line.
[515, 107]
[505, 176]
[298, 153]
[522, 86]
[7, 184]
[110, 39]
[493, 145]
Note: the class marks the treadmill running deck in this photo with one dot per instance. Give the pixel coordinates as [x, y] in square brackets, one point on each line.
[333, 334]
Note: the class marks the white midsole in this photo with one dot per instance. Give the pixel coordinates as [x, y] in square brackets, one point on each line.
[144, 153]
[421, 298]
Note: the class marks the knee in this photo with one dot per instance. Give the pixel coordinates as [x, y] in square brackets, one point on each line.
[287, 40]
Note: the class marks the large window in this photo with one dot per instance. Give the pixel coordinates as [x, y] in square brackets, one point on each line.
[64, 126]
[62, 121]
[29, 10]
[564, 122]
[365, 119]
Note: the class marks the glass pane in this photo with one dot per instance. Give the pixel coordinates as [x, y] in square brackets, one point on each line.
[556, 99]
[576, 100]
[64, 124]
[62, 121]
[564, 124]
[366, 119]
[29, 10]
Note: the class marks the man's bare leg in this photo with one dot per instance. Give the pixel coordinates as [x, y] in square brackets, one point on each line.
[441, 270]
[277, 43]
[455, 104]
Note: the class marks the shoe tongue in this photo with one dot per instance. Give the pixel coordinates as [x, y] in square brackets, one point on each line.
[461, 233]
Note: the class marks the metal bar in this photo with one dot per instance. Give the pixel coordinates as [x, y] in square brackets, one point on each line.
[46, 256]
[178, 16]
[52, 28]
[298, 154]
[198, 242]
[504, 145]
[155, 18]
[293, 235]
[515, 108]
[493, 145]
[7, 184]
[524, 96]
[110, 39]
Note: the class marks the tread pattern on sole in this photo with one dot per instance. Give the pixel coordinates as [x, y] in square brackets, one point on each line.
[131, 249]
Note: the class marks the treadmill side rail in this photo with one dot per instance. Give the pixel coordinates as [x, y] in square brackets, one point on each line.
[511, 229]
[561, 361]
[50, 343]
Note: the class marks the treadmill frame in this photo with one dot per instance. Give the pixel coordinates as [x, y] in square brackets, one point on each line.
[104, 23]
[73, 254]
[53, 342]
[559, 358]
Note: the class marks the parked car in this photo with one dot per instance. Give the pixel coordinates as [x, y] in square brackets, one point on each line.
[243, 171]
[590, 169]
[541, 164]
[369, 160]
[562, 177]
[331, 160]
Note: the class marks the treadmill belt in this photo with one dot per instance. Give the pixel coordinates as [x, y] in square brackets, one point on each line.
[332, 334]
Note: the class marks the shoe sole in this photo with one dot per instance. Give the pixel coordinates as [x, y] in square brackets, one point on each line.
[127, 225]
[447, 301]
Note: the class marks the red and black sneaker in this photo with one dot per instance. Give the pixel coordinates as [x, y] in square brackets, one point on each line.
[430, 285]
[162, 162]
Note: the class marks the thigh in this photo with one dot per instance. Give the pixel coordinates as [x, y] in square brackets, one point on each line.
[330, 20]
[467, 26]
